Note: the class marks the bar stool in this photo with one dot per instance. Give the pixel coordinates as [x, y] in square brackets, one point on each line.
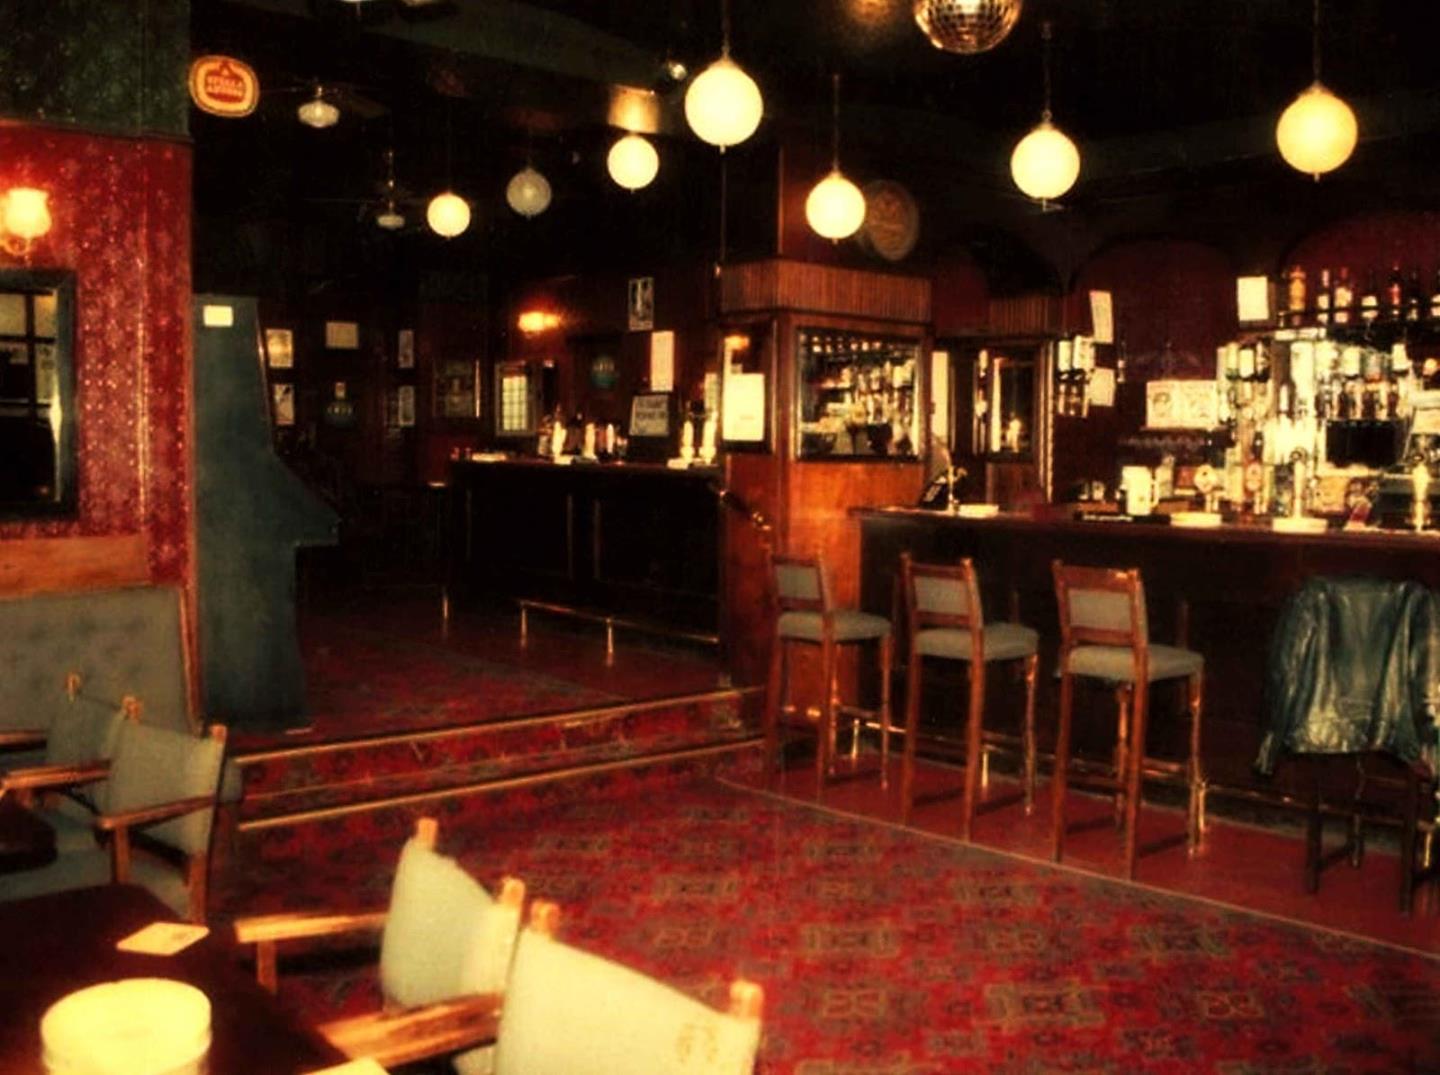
[1104, 635]
[806, 614]
[945, 619]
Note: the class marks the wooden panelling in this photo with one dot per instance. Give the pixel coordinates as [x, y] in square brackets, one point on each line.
[1025, 315]
[801, 286]
[53, 565]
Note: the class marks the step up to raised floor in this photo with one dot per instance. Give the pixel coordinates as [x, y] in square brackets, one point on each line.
[287, 786]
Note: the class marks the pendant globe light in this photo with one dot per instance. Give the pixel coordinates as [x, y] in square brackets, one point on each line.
[1045, 163]
[528, 192]
[835, 207]
[633, 162]
[967, 26]
[389, 217]
[318, 112]
[448, 214]
[723, 104]
[1317, 133]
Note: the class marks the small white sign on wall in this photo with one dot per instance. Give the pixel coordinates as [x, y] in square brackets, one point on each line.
[662, 361]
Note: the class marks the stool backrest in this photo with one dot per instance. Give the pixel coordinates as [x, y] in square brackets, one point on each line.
[1100, 606]
[941, 595]
[800, 584]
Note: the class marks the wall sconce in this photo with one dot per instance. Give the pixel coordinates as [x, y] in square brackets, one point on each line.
[24, 217]
[532, 322]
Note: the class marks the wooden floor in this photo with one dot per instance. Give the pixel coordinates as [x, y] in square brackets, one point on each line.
[1241, 865]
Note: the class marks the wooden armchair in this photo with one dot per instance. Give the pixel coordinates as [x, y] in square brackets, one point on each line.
[159, 791]
[445, 954]
[568, 1012]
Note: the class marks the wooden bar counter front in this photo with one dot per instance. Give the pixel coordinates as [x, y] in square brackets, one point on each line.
[1229, 583]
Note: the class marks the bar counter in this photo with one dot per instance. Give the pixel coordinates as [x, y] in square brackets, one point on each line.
[629, 539]
[1228, 582]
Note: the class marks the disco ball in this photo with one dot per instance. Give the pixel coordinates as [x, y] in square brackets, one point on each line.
[967, 26]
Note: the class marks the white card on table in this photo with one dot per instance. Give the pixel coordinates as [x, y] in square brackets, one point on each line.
[162, 938]
[363, 1066]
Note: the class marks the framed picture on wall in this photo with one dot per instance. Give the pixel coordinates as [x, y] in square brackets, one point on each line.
[282, 404]
[641, 304]
[456, 395]
[280, 348]
[405, 349]
[405, 406]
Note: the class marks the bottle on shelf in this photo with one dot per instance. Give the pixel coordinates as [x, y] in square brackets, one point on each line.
[1343, 297]
[1394, 294]
[1295, 296]
[1370, 300]
[1415, 300]
[1435, 297]
[1323, 298]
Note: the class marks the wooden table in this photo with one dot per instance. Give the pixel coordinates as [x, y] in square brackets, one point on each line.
[53, 945]
[26, 841]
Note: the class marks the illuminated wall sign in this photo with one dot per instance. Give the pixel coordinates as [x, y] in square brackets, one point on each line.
[224, 86]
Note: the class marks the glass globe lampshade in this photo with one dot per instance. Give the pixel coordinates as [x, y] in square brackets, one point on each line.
[633, 162]
[967, 26]
[318, 112]
[528, 192]
[723, 105]
[390, 218]
[1317, 133]
[1045, 163]
[448, 214]
[835, 207]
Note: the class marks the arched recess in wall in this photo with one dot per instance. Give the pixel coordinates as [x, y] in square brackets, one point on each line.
[1369, 242]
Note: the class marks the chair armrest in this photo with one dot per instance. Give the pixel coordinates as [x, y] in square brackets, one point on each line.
[396, 1038]
[263, 929]
[150, 814]
[39, 777]
[22, 738]
[266, 931]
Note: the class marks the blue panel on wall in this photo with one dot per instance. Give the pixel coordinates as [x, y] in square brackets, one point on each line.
[251, 514]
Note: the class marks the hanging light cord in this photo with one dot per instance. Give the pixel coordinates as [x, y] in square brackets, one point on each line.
[725, 28]
[1315, 42]
[1045, 67]
[835, 121]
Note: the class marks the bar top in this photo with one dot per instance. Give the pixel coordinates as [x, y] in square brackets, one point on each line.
[615, 467]
[1225, 533]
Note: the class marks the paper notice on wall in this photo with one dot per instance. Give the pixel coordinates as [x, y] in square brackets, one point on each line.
[743, 418]
[1102, 317]
[662, 361]
[1252, 297]
[1102, 387]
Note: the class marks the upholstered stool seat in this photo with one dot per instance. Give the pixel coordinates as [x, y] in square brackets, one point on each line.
[1104, 635]
[945, 620]
[848, 626]
[806, 615]
[1117, 663]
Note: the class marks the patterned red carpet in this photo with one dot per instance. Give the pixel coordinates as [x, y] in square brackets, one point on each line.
[888, 952]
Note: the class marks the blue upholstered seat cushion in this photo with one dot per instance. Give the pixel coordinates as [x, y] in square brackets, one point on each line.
[568, 1012]
[445, 936]
[850, 626]
[1002, 642]
[1116, 663]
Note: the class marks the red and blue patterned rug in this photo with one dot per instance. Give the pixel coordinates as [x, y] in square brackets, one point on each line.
[885, 951]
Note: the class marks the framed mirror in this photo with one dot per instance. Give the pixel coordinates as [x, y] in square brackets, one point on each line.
[37, 393]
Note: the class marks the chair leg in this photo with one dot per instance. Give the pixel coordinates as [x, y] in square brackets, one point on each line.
[887, 656]
[1133, 764]
[825, 746]
[973, 747]
[1032, 668]
[1062, 763]
[774, 700]
[1123, 696]
[912, 728]
[1195, 802]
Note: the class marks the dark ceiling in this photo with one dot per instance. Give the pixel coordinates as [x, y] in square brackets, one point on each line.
[464, 90]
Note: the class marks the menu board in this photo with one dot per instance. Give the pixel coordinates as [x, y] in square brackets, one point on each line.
[650, 415]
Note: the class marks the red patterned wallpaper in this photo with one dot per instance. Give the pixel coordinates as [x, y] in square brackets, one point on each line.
[121, 210]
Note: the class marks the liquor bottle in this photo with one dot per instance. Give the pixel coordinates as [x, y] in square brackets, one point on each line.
[1323, 298]
[1369, 300]
[1262, 361]
[1414, 296]
[1295, 296]
[1344, 296]
[1395, 294]
[1435, 297]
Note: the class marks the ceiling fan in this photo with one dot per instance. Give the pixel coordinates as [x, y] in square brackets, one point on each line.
[323, 104]
[391, 208]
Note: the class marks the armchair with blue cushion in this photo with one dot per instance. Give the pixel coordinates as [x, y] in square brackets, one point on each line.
[1354, 674]
[445, 950]
[153, 817]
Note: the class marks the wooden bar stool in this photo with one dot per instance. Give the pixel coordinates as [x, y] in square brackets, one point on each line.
[945, 619]
[1104, 635]
[805, 614]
